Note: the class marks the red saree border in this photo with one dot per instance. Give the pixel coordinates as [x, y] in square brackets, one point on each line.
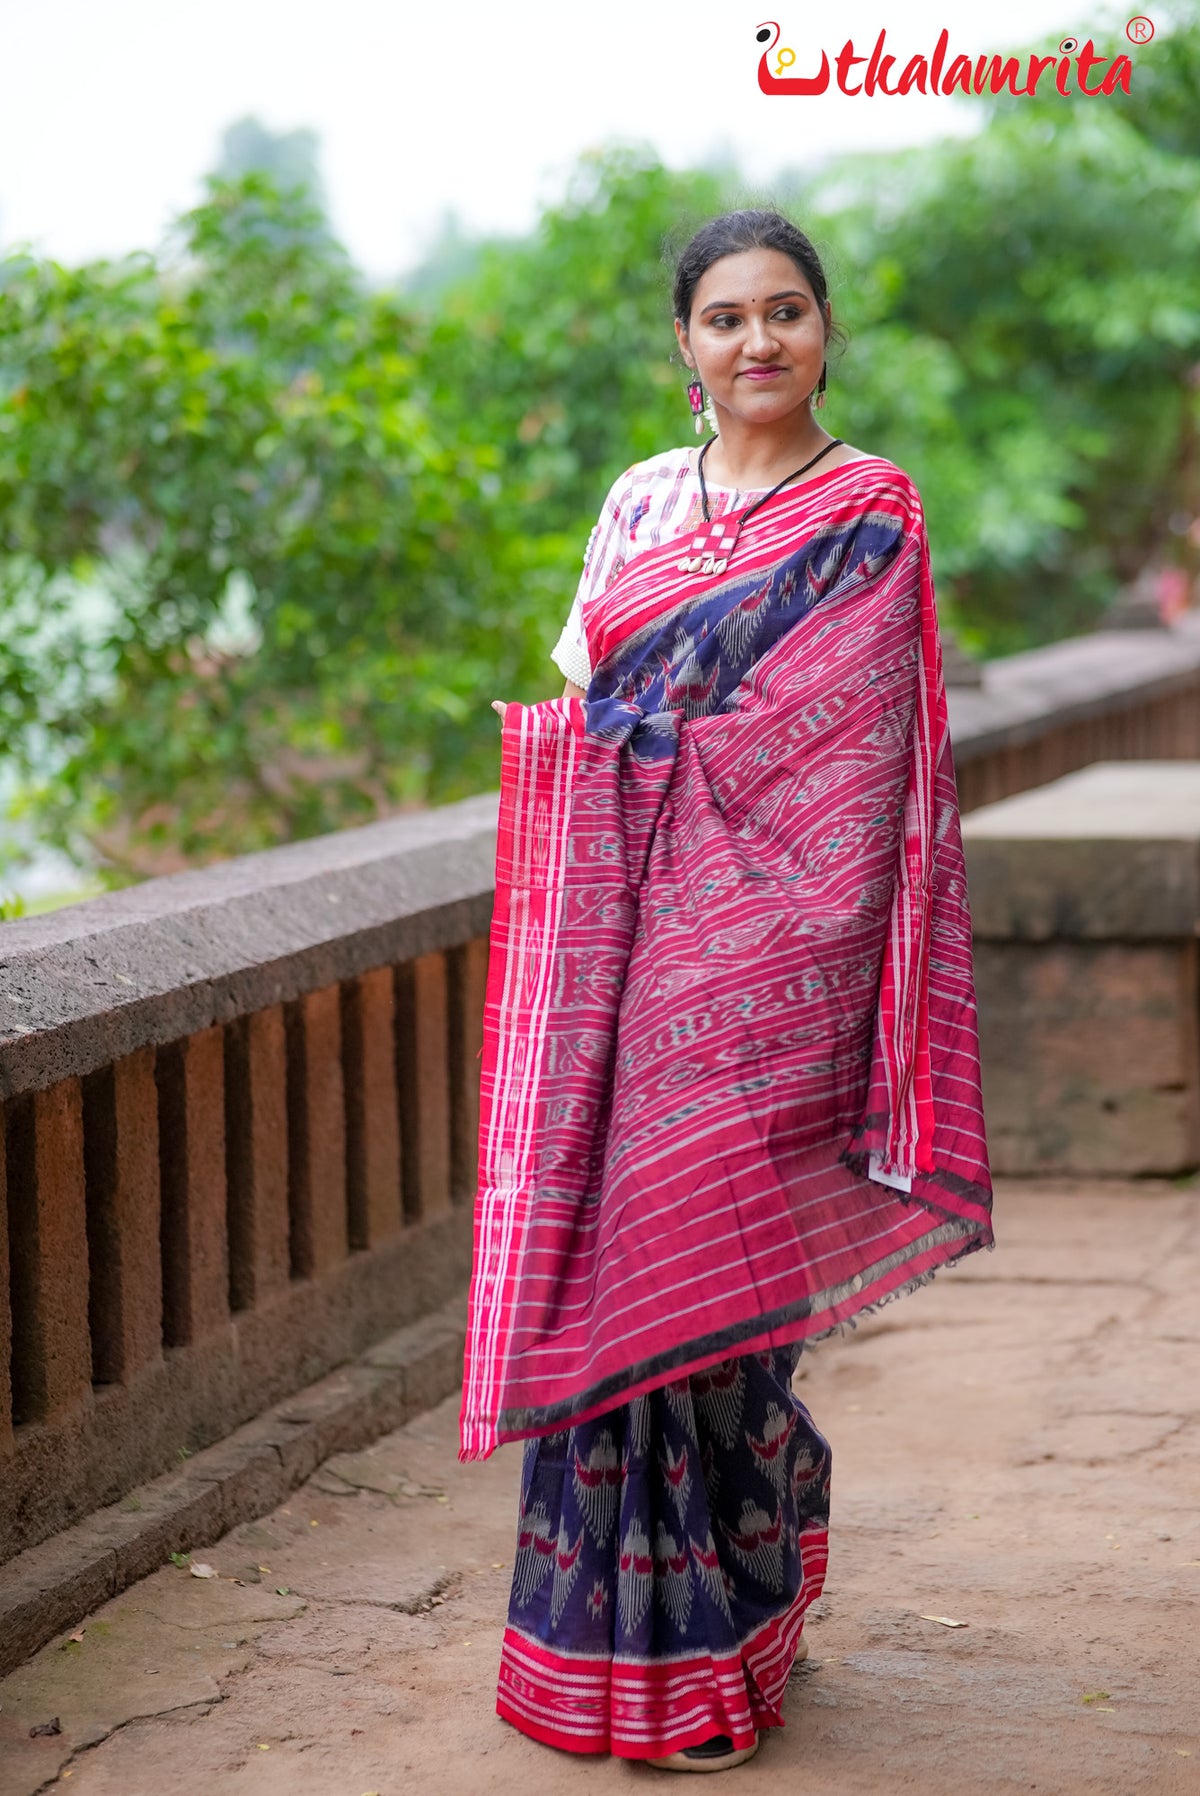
[527, 911]
[641, 1709]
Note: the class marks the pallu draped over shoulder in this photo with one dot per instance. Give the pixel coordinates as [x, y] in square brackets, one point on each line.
[730, 1088]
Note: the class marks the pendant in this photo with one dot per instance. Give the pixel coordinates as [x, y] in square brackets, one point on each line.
[710, 551]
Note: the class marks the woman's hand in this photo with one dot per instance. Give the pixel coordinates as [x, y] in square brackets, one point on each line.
[570, 690]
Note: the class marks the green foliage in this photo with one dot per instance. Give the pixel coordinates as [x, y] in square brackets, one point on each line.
[1163, 102]
[288, 157]
[452, 258]
[251, 587]
[559, 351]
[1024, 317]
[270, 541]
[1027, 316]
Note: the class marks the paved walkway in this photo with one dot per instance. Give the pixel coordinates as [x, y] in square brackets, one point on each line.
[1016, 1447]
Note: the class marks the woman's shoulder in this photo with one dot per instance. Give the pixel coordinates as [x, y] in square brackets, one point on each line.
[876, 466]
[655, 468]
[877, 477]
[666, 466]
[646, 484]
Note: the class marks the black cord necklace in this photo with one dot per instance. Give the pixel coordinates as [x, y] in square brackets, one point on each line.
[711, 552]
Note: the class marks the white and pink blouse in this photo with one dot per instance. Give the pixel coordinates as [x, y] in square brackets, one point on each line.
[652, 502]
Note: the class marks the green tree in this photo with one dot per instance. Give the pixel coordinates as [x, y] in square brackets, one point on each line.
[451, 259]
[1047, 268]
[559, 351]
[251, 589]
[290, 158]
[1163, 102]
[1025, 318]
[269, 541]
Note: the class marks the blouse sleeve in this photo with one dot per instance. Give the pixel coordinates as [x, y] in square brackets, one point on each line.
[603, 560]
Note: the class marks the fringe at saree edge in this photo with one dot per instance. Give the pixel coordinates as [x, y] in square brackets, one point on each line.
[812, 1319]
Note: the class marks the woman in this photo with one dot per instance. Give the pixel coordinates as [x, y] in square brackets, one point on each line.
[730, 1088]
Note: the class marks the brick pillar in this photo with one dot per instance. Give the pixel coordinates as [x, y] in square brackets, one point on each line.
[5, 1305]
[47, 1212]
[372, 1113]
[120, 1111]
[423, 1063]
[191, 1117]
[256, 1159]
[468, 978]
[316, 1132]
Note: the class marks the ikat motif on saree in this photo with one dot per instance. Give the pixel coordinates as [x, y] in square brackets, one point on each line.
[667, 1553]
[730, 1092]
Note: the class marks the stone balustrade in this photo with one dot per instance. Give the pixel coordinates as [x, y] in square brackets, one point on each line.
[1086, 914]
[240, 1105]
[1118, 695]
[240, 1109]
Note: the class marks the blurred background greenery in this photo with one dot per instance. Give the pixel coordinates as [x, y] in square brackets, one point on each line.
[271, 539]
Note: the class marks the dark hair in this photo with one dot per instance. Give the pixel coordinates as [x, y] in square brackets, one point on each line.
[735, 232]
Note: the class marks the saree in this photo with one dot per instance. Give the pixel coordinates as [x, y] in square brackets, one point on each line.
[667, 1553]
[730, 1087]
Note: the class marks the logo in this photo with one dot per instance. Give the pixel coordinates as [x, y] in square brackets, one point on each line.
[939, 73]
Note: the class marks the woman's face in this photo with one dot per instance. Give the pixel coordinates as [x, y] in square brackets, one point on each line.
[756, 335]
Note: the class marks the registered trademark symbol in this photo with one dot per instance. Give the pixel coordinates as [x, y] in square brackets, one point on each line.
[1139, 29]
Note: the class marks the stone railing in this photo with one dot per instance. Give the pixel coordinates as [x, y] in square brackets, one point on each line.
[240, 1108]
[241, 1104]
[1120, 695]
[1086, 913]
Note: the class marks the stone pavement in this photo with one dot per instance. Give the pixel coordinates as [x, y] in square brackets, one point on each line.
[1016, 1447]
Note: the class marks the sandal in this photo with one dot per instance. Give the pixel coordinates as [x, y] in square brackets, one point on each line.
[717, 1754]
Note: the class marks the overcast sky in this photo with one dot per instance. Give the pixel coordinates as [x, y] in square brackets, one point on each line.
[113, 109]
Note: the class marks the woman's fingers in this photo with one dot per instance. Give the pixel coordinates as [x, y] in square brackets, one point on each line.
[499, 707]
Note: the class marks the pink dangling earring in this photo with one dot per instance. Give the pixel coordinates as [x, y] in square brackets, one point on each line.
[819, 401]
[695, 395]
